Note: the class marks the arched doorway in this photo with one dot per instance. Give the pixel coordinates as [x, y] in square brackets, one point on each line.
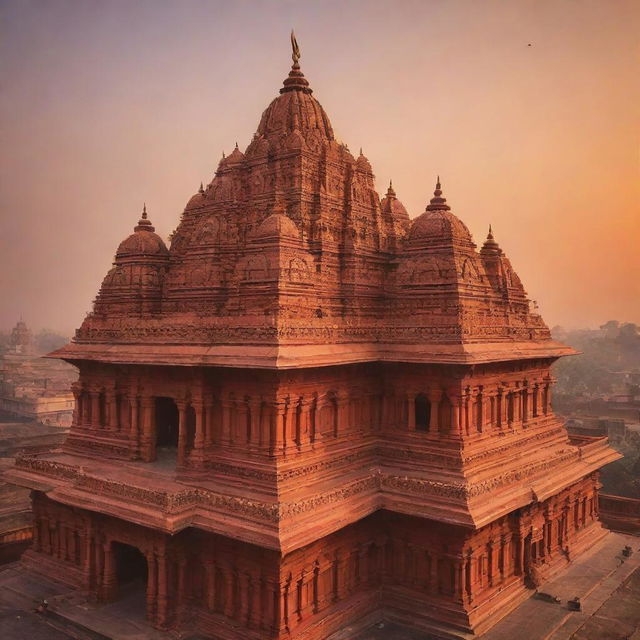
[167, 424]
[131, 564]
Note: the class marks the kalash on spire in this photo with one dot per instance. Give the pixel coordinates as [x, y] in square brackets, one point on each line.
[352, 408]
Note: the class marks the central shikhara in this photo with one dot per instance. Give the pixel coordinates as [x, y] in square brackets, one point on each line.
[312, 412]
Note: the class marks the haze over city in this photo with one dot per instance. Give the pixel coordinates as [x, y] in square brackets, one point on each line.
[527, 110]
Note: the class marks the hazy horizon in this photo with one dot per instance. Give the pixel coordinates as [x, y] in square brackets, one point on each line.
[107, 104]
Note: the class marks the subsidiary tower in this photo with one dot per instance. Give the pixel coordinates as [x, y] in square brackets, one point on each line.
[311, 411]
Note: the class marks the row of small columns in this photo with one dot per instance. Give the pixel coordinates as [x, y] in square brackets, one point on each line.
[280, 426]
[491, 409]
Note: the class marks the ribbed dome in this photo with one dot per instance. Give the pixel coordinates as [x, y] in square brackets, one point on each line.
[143, 241]
[277, 224]
[490, 246]
[295, 108]
[236, 156]
[390, 204]
[363, 163]
[437, 224]
[197, 200]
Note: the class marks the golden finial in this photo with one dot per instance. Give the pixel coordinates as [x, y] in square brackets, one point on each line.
[295, 55]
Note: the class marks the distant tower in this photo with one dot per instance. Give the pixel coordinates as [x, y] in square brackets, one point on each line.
[21, 339]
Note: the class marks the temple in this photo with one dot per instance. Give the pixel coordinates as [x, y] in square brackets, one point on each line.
[311, 411]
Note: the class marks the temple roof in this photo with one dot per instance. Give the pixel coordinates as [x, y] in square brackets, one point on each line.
[290, 251]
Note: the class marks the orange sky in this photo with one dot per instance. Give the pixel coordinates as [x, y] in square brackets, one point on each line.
[108, 103]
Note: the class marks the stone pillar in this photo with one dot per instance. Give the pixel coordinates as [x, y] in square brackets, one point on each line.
[433, 573]
[182, 432]
[162, 596]
[525, 404]
[492, 553]
[500, 409]
[305, 421]
[467, 568]
[133, 431]
[411, 411]
[209, 420]
[278, 443]
[255, 406]
[76, 389]
[239, 429]
[211, 585]
[197, 455]
[535, 400]
[229, 593]
[147, 436]
[182, 595]
[466, 418]
[458, 579]
[479, 412]
[291, 424]
[86, 407]
[244, 580]
[94, 394]
[255, 614]
[455, 399]
[152, 585]
[109, 580]
[112, 408]
[435, 395]
[547, 408]
[87, 556]
[226, 421]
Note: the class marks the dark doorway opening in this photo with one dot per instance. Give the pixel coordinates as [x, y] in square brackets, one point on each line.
[422, 413]
[167, 423]
[131, 565]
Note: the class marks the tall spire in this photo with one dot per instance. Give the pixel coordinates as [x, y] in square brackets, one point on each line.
[295, 49]
[296, 80]
[438, 203]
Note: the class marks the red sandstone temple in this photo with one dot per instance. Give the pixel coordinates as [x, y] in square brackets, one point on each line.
[311, 411]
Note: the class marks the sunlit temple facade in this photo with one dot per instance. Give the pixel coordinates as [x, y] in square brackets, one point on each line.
[312, 412]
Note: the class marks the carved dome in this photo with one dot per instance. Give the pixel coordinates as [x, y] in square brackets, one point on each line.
[277, 224]
[143, 241]
[236, 157]
[197, 200]
[390, 204]
[295, 109]
[363, 163]
[437, 224]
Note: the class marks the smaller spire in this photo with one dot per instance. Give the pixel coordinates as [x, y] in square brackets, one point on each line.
[201, 189]
[490, 246]
[390, 191]
[144, 224]
[361, 151]
[223, 155]
[236, 144]
[438, 203]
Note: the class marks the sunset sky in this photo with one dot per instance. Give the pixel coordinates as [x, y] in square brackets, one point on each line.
[105, 104]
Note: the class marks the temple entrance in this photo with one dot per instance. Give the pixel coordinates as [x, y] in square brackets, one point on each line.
[131, 565]
[167, 423]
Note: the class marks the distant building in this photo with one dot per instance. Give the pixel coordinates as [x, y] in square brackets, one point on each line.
[32, 387]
